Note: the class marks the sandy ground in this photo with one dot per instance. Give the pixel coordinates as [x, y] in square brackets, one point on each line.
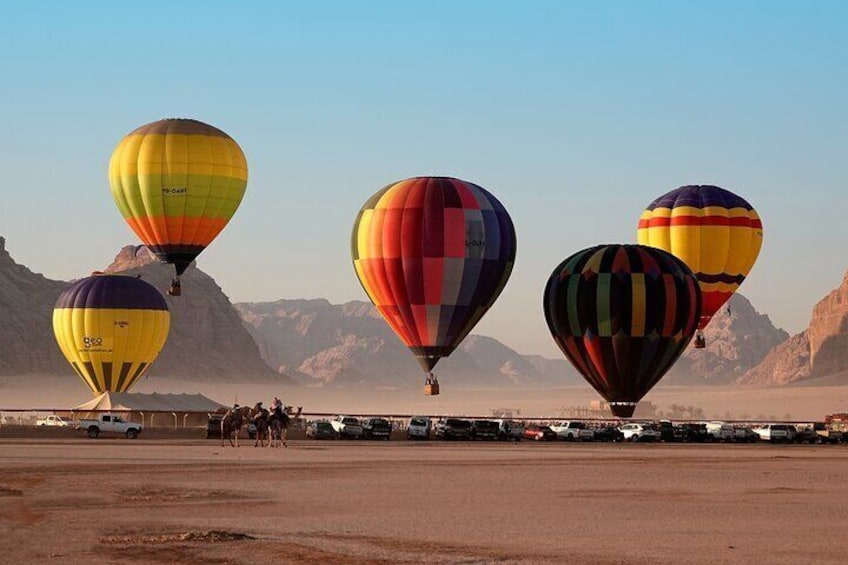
[190, 501]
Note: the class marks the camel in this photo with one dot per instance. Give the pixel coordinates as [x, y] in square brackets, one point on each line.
[232, 423]
[279, 425]
[260, 418]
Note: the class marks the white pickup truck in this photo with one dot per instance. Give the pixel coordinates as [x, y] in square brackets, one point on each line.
[347, 427]
[53, 420]
[110, 424]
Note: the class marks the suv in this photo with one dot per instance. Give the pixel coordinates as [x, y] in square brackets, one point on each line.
[694, 432]
[347, 427]
[743, 434]
[320, 429]
[376, 428]
[640, 432]
[418, 428]
[484, 429]
[827, 434]
[573, 431]
[719, 431]
[509, 429]
[776, 432]
[453, 428]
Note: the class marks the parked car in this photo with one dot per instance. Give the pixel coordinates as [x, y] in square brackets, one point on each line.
[639, 432]
[668, 431]
[693, 432]
[484, 429]
[376, 428]
[9, 420]
[826, 434]
[53, 420]
[608, 433]
[537, 432]
[743, 434]
[776, 432]
[719, 431]
[347, 427]
[573, 431]
[510, 430]
[213, 426]
[453, 428]
[418, 428]
[320, 430]
[805, 434]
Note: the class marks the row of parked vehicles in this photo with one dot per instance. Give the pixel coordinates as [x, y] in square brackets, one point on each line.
[423, 427]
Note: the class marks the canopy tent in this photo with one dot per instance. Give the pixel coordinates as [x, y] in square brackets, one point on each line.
[153, 402]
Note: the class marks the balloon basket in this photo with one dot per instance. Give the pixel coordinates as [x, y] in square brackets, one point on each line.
[431, 389]
[176, 288]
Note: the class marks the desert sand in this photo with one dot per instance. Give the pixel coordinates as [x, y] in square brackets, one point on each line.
[74, 500]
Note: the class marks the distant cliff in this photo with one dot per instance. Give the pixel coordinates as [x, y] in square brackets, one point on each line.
[207, 341]
[818, 351]
[27, 344]
[738, 338]
[325, 344]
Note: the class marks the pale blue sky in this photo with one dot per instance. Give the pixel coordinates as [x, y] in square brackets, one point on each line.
[574, 114]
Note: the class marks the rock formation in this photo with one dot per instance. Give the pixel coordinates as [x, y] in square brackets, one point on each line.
[207, 341]
[818, 351]
[27, 345]
[738, 338]
[325, 344]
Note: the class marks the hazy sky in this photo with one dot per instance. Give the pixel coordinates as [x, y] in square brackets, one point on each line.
[574, 114]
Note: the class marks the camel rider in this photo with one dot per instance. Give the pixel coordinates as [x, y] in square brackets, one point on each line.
[277, 407]
[258, 412]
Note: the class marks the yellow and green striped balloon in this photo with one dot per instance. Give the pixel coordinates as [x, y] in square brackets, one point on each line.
[177, 183]
[110, 329]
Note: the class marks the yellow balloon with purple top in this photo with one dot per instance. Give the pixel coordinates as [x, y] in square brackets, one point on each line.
[717, 233]
[111, 328]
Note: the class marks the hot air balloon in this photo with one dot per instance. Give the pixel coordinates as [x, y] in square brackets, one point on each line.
[717, 233]
[177, 183]
[110, 329]
[433, 254]
[622, 315]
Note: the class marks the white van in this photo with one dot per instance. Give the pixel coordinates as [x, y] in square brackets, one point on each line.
[418, 428]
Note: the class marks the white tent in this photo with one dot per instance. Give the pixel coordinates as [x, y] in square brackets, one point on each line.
[153, 402]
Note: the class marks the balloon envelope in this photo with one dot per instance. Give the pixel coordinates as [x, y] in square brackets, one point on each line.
[715, 232]
[110, 329]
[433, 254]
[177, 183]
[622, 315]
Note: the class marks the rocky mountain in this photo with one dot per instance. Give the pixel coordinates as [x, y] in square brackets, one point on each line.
[27, 345]
[738, 338]
[207, 341]
[325, 344]
[820, 350]
[320, 344]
